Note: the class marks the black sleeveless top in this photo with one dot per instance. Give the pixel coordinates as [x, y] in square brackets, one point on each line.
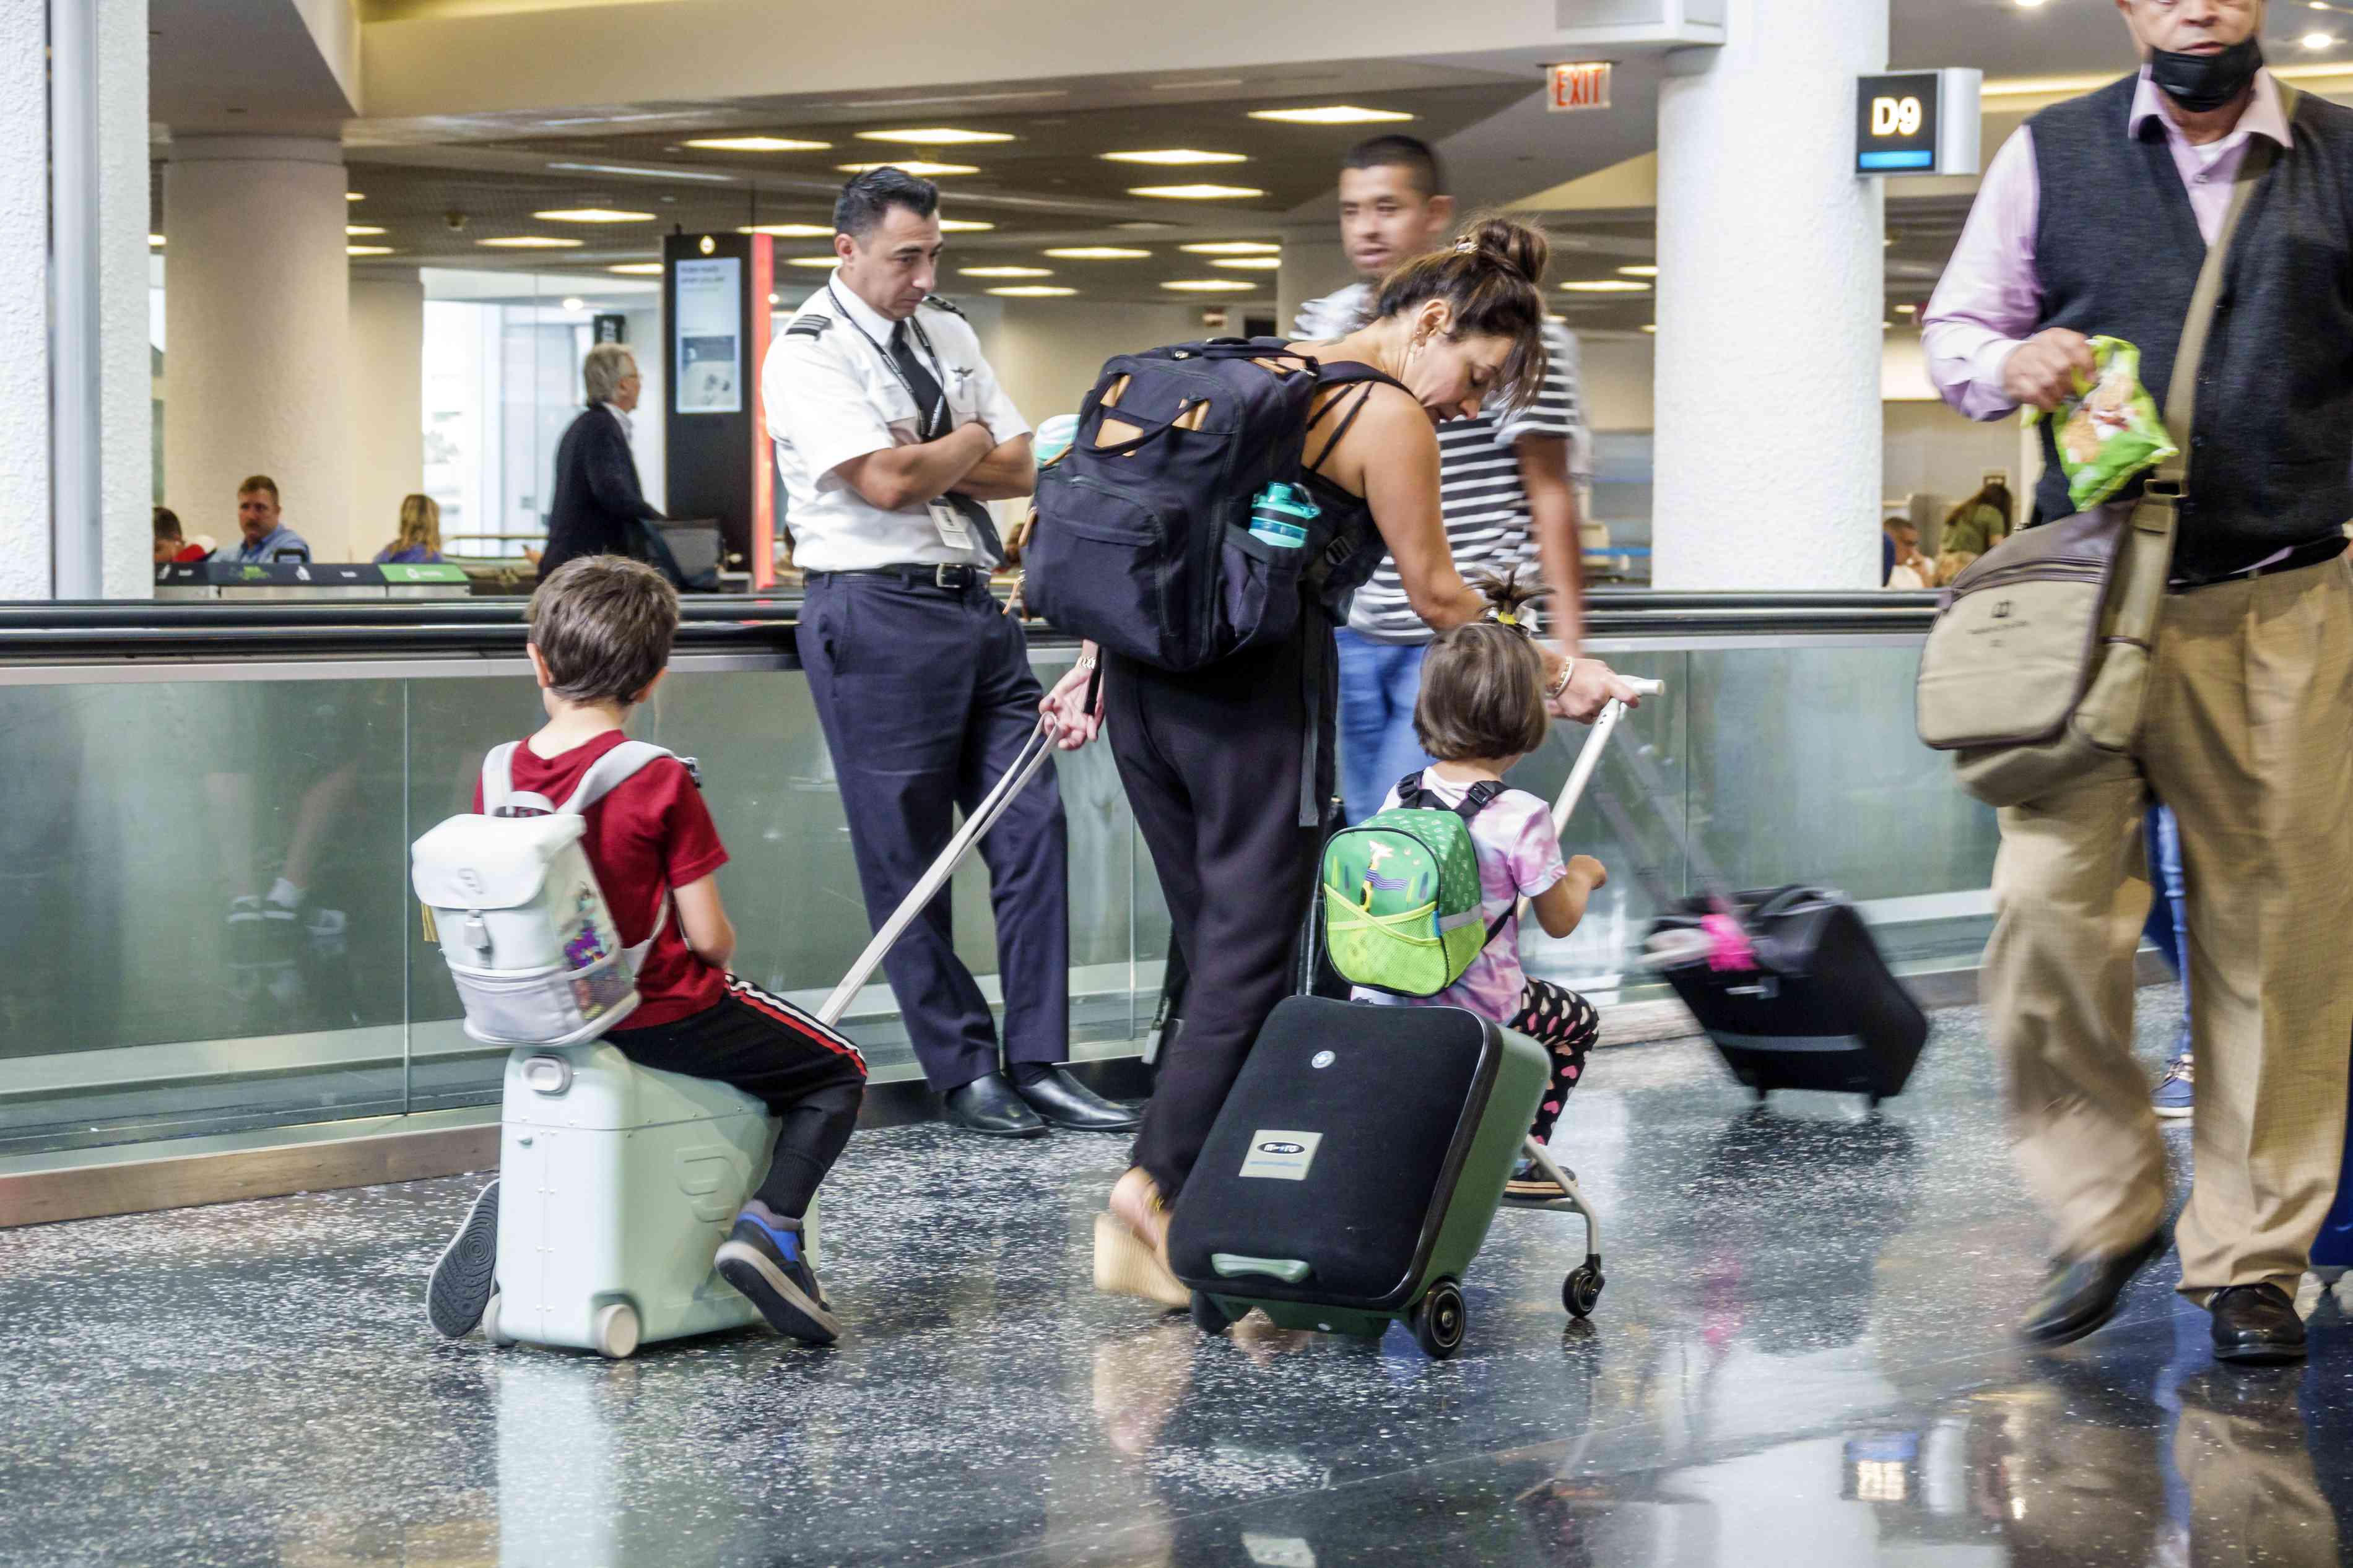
[1357, 545]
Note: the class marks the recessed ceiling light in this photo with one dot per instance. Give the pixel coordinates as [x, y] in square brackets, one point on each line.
[1232, 248]
[1643, 271]
[570, 168]
[1033, 291]
[155, 241]
[1211, 285]
[1175, 156]
[789, 230]
[353, 196]
[638, 269]
[367, 250]
[1907, 309]
[812, 261]
[361, 230]
[935, 136]
[1248, 263]
[1005, 271]
[1098, 253]
[575, 303]
[530, 242]
[1650, 326]
[1144, 225]
[756, 144]
[964, 226]
[1197, 193]
[916, 166]
[1331, 114]
[2318, 40]
[1605, 286]
[2030, 4]
[774, 297]
[593, 214]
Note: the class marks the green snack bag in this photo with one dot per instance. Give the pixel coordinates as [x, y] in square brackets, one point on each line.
[2109, 430]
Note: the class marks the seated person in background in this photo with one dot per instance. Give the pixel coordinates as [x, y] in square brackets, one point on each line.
[1481, 708]
[1951, 565]
[419, 540]
[261, 536]
[600, 637]
[1900, 562]
[1979, 523]
[170, 546]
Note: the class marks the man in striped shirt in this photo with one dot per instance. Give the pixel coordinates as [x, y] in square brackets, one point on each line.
[1506, 478]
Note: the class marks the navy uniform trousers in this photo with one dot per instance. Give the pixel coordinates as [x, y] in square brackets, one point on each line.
[926, 696]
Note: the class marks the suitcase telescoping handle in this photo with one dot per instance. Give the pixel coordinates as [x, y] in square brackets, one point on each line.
[1032, 760]
[1590, 759]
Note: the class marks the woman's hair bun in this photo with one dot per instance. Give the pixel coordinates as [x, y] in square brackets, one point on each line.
[1520, 246]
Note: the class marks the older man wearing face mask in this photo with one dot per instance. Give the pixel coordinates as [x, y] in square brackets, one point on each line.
[2095, 219]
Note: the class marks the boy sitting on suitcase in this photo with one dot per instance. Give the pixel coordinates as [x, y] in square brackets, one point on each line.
[1481, 708]
[600, 637]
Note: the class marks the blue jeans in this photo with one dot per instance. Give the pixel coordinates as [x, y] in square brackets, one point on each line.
[2169, 913]
[1379, 684]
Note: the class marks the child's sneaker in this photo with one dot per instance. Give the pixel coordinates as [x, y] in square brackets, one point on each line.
[2176, 1094]
[765, 1263]
[467, 1274]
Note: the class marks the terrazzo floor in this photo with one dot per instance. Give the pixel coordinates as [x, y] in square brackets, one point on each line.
[1801, 1358]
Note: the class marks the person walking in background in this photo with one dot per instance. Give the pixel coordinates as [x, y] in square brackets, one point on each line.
[418, 543]
[2099, 217]
[2168, 931]
[1979, 523]
[598, 508]
[1507, 476]
[170, 546]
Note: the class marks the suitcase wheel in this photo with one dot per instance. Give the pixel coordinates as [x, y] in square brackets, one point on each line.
[616, 1331]
[1437, 1321]
[490, 1324]
[1582, 1288]
[1207, 1316]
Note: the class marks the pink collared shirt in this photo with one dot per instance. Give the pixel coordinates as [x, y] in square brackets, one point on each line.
[1991, 299]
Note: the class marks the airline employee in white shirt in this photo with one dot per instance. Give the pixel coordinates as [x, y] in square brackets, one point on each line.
[891, 432]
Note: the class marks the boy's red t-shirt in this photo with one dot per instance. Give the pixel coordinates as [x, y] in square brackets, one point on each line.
[650, 834]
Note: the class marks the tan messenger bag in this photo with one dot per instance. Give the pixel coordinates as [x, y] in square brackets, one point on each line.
[2038, 664]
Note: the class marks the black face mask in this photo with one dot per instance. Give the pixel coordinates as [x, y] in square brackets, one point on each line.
[2202, 82]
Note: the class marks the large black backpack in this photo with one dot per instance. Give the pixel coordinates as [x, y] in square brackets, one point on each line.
[1143, 544]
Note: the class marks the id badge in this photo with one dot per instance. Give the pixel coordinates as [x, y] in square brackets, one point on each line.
[955, 532]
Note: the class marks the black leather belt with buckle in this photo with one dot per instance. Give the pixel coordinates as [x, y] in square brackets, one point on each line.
[949, 579]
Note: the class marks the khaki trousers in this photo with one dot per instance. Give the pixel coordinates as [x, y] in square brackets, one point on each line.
[2248, 735]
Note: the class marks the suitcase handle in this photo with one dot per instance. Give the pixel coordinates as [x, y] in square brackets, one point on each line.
[1231, 1266]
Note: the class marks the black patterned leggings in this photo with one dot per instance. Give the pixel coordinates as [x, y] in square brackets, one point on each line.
[1564, 1024]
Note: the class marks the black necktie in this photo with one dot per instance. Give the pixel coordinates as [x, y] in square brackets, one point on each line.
[931, 405]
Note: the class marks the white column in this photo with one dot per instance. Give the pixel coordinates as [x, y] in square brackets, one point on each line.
[256, 303]
[1771, 291]
[24, 302]
[387, 368]
[126, 390]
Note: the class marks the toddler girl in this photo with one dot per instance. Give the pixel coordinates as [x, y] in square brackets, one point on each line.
[1481, 708]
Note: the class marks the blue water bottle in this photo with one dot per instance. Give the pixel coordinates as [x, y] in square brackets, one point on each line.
[1280, 514]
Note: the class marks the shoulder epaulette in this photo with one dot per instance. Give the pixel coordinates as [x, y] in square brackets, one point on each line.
[937, 303]
[809, 327]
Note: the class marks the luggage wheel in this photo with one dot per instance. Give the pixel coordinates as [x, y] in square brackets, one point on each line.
[1207, 1316]
[1439, 1320]
[1582, 1288]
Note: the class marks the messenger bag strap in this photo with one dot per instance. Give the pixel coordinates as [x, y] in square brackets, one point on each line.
[2157, 512]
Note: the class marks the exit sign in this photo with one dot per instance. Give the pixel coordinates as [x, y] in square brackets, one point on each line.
[1584, 85]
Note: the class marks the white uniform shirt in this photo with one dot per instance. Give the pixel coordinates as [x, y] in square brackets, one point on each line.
[832, 395]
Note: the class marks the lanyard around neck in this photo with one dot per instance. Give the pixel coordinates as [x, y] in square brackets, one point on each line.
[932, 416]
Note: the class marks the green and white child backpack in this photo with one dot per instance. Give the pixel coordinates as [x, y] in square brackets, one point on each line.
[1403, 910]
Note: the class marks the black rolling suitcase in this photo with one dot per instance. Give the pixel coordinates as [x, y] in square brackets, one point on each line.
[1819, 1010]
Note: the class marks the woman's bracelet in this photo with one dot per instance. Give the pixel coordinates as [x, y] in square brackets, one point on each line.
[1561, 685]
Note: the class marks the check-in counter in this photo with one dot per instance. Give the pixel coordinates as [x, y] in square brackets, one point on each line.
[305, 582]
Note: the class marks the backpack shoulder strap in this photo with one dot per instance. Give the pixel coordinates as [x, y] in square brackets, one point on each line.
[1409, 790]
[610, 771]
[1479, 797]
[498, 778]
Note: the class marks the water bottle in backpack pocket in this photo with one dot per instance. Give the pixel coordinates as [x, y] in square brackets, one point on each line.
[1404, 911]
[531, 944]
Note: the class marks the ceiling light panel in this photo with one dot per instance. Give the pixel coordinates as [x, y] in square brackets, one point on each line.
[367, 250]
[361, 230]
[529, 242]
[756, 144]
[638, 269]
[916, 166]
[592, 215]
[1605, 286]
[1232, 248]
[1033, 291]
[1211, 286]
[1098, 253]
[354, 196]
[1175, 157]
[1331, 114]
[964, 226]
[1005, 271]
[789, 230]
[1642, 271]
[935, 136]
[812, 261]
[1202, 193]
[1248, 263]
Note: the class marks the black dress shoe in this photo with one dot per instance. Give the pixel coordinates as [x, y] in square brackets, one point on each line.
[2083, 1294]
[988, 1106]
[2256, 1325]
[1064, 1102]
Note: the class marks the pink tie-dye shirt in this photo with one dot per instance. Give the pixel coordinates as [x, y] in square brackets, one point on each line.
[1519, 855]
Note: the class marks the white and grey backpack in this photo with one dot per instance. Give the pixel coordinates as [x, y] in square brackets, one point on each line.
[536, 955]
